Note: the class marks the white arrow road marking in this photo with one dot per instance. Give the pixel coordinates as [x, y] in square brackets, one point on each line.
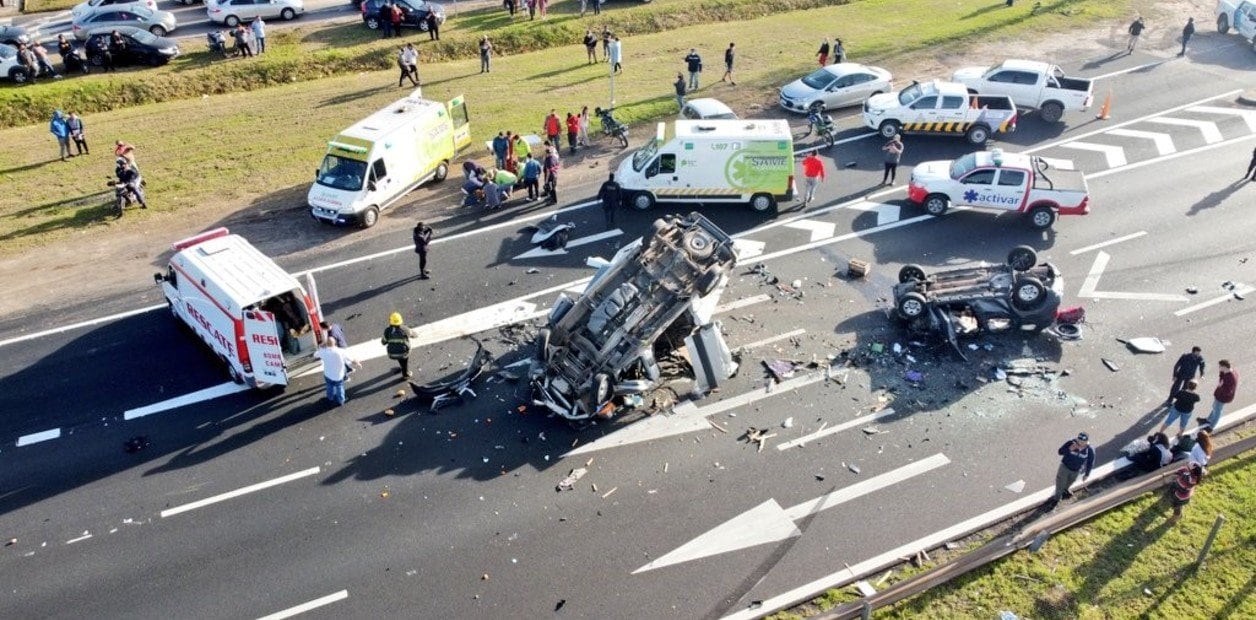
[1114, 154]
[886, 213]
[1089, 287]
[1164, 142]
[768, 522]
[1209, 129]
[747, 248]
[819, 230]
[1060, 164]
[540, 252]
[1104, 244]
[1247, 115]
[1241, 290]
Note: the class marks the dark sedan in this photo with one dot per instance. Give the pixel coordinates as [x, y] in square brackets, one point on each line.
[413, 13]
[14, 35]
[141, 47]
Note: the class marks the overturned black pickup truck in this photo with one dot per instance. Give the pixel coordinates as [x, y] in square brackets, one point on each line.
[603, 346]
[1020, 295]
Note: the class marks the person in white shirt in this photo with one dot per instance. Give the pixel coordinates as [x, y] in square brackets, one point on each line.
[1201, 452]
[335, 369]
[408, 62]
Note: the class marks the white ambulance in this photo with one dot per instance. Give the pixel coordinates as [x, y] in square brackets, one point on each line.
[256, 317]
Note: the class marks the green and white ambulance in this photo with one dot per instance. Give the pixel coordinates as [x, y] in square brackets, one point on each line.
[713, 161]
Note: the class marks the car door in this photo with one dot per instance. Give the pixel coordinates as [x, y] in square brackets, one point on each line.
[924, 113]
[976, 188]
[951, 112]
[1245, 20]
[378, 182]
[1021, 86]
[861, 87]
[135, 53]
[838, 93]
[661, 175]
[246, 10]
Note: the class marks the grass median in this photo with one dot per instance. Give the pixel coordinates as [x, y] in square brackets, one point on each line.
[221, 153]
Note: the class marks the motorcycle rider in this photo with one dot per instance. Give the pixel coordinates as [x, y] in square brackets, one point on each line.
[820, 122]
[129, 177]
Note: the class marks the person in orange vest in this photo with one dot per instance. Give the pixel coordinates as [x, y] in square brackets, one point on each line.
[813, 174]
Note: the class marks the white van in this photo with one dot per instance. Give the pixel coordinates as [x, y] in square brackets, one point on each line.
[713, 161]
[256, 317]
[379, 159]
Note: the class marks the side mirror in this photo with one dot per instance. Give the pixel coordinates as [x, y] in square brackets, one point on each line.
[158, 278]
[370, 186]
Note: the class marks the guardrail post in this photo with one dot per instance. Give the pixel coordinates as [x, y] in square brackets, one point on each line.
[866, 612]
[1216, 527]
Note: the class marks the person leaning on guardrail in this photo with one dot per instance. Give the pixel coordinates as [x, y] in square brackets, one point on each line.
[1078, 459]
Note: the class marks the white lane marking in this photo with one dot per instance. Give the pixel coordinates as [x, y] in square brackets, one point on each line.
[170, 512]
[742, 303]
[1241, 290]
[768, 522]
[1208, 129]
[26, 440]
[886, 213]
[85, 536]
[73, 326]
[1163, 141]
[771, 339]
[1090, 285]
[209, 393]
[1104, 244]
[747, 248]
[805, 439]
[819, 230]
[1129, 70]
[304, 607]
[539, 252]
[1114, 154]
[837, 142]
[1247, 115]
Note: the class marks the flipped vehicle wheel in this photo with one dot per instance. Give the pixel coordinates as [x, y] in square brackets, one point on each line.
[601, 388]
[911, 306]
[1028, 293]
[1022, 258]
[937, 204]
[698, 245]
[911, 273]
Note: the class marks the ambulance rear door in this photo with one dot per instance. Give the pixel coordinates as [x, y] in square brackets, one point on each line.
[265, 349]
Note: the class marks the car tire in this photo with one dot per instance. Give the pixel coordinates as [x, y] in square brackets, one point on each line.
[707, 281]
[1052, 111]
[911, 273]
[889, 129]
[287, 15]
[911, 306]
[18, 75]
[937, 204]
[158, 31]
[231, 21]
[1041, 217]
[442, 172]
[1022, 258]
[977, 135]
[698, 245]
[542, 345]
[423, 25]
[642, 201]
[601, 388]
[762, 203]
[369, 217]
[1028, 293]
[1223, 23]
[372, 23]
[96, 60]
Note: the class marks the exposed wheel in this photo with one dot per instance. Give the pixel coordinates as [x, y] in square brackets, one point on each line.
[829, 138]
[423, 25]
[372, 23]
[1028, 293]
[1041, 217]
[762, 203]
[707, 281]
[288, 14]
[658, 226]
[1022, 258]
[977, 134]
[911, 273]
[1223, 23]
[623, 139]
[157, 31]
[642, 201]
[442, 171]
[18, 75]
[601, 388]
[542, 344]
[911, 306]
[937, 204]
[96, 60]
[889, 129]
[698, 244]
[1052, 111]
[370, 217]
[232, 21]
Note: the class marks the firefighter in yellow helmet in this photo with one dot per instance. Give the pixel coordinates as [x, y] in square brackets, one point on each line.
[396, 341]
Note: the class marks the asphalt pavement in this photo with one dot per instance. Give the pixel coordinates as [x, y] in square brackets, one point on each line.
[255, 503]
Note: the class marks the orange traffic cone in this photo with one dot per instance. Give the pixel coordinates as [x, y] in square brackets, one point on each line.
[1107, 107]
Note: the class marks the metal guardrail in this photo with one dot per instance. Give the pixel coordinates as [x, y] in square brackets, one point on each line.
[1035, 532]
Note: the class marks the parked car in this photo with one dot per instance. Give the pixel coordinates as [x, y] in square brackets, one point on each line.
[10, 66]
[1020, 295]
[232, 12]
[945, 108]
[160, 23]
[142, 47]
[707, 108]
[1032, 85]
[600, 349]
[835, 86]
[15, 35]
[83, 9]
[1239, 15]
[413, 13]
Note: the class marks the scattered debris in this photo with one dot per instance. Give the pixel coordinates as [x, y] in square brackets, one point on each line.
[884, 577]
[533, 270]
[399, 394]
[1143, 345]
[384, 494]
[780, 369]
[820, 477]
[1016, 487]
[788, 423]
[484, 577]
[856, 268]
[951, 546]
[135, 444]
[1192, 290]
[759, 436]
[853, 467]
[559, 604]
[390, 413]
[608, 493]
[12, 541]
[865, 588]
[1110, 364]
[717, 426]
[567, 483]
[871, 430]
[914, 376]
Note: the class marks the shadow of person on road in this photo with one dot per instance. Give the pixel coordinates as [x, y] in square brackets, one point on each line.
[1216, 198]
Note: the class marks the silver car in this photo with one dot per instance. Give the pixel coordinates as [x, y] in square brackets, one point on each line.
[83, 9]
[835, 86]
[157, 22]
[232, 12]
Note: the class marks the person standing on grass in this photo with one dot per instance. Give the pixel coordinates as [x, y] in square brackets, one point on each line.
[396, 341]
[590, 46]
[433, 26]
[1077, 459]
[839, 51]
[542, 7]
[61, 131]
[616, 54]
[259, 34]
[532, 177]
[1183, 404]
[813, 175]
[1182, 488]
[583, 139]
[486, 55]
[422, 239]
[693, 62]
[552, 128]
[573, 131]
[1188, 367]
[241, 41]
[511, 5]
[823, 54]
[680, 90]
[77, 133]
[606, 44]
[893, 153]
[611, 195]
[1227, 386]
[385, 19]
[1187, 32]
[1136, 30]
[597, 6]
[531, 9]
[336, 362]
[729, 55]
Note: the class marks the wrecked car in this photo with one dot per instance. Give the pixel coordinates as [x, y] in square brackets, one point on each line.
[656, 294]
[1020, 295]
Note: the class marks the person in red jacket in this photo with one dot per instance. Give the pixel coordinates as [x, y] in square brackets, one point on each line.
[1227, 385]
[573, 130]
[813, 174]
[553, 129]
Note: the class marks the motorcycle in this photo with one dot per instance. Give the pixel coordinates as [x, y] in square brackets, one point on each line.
[821, 124]
[123, 196]
[612, 127]
[552, 234]
[217, 43]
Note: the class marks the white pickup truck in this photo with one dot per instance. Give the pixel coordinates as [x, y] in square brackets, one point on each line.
[1239, 15]
[940, 108]
[1000, 181]
[1030, 84]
